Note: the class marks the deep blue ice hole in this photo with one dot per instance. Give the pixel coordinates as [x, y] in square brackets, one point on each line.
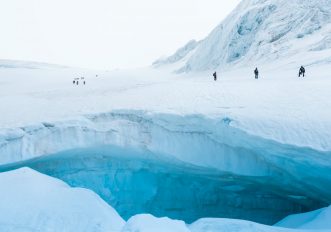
[137, 181]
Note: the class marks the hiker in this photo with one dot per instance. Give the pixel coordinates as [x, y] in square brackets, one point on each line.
[84, 82]
[256, 72]
[215, 76]
[77, 82]
[302, 71]
[74, 82]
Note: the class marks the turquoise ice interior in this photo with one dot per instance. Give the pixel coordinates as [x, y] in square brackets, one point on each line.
[137, 181]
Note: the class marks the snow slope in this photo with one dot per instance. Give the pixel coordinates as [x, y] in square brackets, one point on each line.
[30, 201]
[311, 220]
[228, 225]
[261, 31]
[148, 223]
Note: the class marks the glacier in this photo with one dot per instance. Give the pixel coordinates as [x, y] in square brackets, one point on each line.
[258, 32]
[178, 152]
[149, 163]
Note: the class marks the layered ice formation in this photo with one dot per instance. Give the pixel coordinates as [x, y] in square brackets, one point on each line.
[261, 31]
[182, 167]
[33, 202]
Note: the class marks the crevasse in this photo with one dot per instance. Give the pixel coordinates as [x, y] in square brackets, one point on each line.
[184, 167]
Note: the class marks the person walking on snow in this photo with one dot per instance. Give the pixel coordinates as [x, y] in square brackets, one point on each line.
[256, 72]
[215, 76]
[302, 71]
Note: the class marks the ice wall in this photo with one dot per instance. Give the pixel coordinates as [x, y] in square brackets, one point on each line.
[261, 31]
[137, 181]
[185, 167]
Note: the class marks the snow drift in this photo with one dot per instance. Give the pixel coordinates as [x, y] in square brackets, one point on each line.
[317, 219]
[30, 201]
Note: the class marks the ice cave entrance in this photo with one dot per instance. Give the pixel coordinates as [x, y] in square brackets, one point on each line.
[137, 181]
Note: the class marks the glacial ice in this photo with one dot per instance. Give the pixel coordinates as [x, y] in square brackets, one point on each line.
[33, 202]
[183, 167]
[179, 54]
[261, 31]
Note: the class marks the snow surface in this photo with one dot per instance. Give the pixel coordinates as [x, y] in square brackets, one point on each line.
[312, 220]
[280, 107]
[149, 223]
[228, 225]
[30, 201]
[275, 128]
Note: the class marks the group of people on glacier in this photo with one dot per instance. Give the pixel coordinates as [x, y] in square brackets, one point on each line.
[76, 81]
[302, 72]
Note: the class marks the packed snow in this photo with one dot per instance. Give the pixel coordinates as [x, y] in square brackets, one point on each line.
[30, 201]
[317, 219]
[148, 223]
[229, 225]
[279, 107]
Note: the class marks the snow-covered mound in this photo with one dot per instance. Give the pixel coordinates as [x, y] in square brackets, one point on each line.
[262, 31]
[30, 201]
[229, 225]
[320, 219]
[149, 223]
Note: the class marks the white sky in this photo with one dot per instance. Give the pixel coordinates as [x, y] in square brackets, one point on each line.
[104, 34]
